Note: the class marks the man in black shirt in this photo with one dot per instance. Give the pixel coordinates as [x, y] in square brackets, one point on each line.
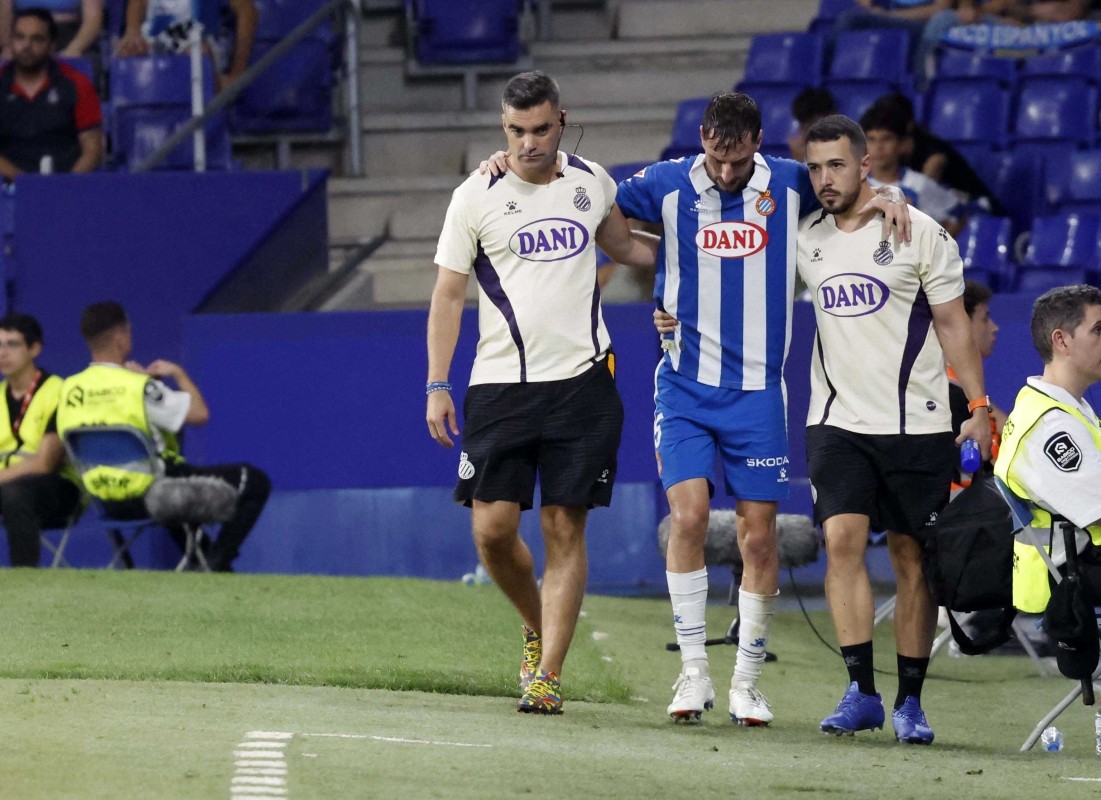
[50, 118]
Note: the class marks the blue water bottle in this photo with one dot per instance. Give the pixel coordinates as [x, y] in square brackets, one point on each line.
[970, 456]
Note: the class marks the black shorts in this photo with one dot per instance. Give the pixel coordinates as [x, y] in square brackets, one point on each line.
[899, 481]
[567, 431]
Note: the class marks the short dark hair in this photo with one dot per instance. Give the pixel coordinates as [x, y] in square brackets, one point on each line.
[99, 318]
[730, 117]
[836, 126]
[530, 89]
[885, 117]
[974, 295]
[1062, 308]
[812, 104]
[24, 324]
[38, 13]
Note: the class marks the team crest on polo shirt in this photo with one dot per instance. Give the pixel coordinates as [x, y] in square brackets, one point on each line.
[883, 255]
[765, 205]
[1063, 452]
[581, 200]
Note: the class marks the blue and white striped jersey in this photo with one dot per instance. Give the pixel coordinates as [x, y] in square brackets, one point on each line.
[726, 265]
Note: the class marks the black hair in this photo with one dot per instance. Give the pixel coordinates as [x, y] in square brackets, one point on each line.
[530, 89]
[24, 324]
[812, 104]
[731, 117]
[836, 126]
[99, 318]
[1062, 308]
[974, 295]
[885, 117]
[38, 13]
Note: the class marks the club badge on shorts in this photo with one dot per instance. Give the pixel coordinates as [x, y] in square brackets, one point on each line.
[765, 205]
[466, 469]
[883, 255]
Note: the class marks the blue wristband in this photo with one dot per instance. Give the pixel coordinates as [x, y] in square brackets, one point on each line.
[437, 386]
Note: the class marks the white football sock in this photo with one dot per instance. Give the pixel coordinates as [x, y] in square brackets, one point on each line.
[754, 623]
[688, 593]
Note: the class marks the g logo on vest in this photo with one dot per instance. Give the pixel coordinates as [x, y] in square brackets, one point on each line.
[1063, 452]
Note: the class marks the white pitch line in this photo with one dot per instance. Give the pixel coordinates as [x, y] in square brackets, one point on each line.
[394, 739]
[260, 766]
[262, 762]
[1085, 780]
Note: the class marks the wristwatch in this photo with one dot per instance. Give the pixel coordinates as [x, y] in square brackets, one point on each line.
[979, 402]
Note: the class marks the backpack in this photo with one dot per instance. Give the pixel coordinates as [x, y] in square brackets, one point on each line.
[969, 561]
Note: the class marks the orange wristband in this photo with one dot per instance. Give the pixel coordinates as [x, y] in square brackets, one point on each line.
[979, 402]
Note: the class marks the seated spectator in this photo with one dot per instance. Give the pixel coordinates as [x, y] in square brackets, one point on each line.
[163, 26]
[928, 153]
[886, 133]
[116, 391]
[79, 24]
[51, 120]
[1051, 443]
[36, 489]
[809, 106]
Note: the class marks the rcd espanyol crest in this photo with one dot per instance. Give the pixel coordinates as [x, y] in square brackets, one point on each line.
[883, 255]
[581, 200]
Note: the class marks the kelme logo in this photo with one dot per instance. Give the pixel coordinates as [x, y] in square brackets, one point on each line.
[731, 239]
[851, 294]
[550, 239]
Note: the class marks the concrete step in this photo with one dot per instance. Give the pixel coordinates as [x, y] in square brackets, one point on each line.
[441, 142]
[668, 18]
[385, 282]
[402, 210]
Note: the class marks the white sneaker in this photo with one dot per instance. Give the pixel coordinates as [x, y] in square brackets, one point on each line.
[748, 706]
[695, 694]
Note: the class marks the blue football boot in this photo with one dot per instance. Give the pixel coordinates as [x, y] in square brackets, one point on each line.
[911, 727]
[855, 712]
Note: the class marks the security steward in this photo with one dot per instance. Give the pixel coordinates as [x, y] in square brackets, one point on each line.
[1051, 443]
[115, 391]
[37, 489]
[50, 117]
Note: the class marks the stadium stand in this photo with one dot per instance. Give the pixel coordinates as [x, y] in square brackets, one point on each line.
[1055, 113]
[783, 58]
[150, 98]
[971, 113]
[953, 63]
[464, 32]
[1063, 249]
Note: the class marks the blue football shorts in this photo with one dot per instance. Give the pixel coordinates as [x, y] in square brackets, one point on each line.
[747, 431]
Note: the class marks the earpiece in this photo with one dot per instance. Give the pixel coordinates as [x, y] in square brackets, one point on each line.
[562, 119]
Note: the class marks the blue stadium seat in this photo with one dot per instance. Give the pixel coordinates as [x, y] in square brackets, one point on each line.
[685, 137]
[855, 97]
[295, 93]
[969, 112]
[985, 244]
[1016, 180]
[879, 54]
[791, 58]
[953, 63]
[1083, 186]
[150, 98]
[1056, 109]
[776, 119]
[81, 65]
[1063, 249]
[465, 31]
[1083, 62]
[1063, 240]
